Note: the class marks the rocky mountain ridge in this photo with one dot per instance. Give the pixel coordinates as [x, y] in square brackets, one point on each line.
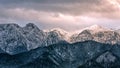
[15, 39]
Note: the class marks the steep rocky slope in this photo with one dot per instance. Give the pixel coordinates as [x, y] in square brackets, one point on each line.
[61, 55]
[97, 33]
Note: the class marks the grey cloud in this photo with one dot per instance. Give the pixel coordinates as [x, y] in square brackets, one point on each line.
[91, 8]
[46, 4]
[99, 8]
[46, 1]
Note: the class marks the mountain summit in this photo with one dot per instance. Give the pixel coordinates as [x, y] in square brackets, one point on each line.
[97, 28]
[97, 33]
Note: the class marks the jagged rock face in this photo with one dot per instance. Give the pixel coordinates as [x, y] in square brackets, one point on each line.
[11, 40]
[53, 38]
[83, 36]
[97, 33]
[15, 39]
[34, 35]
[110, 37]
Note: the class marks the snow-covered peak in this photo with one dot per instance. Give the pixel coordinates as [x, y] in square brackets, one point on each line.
[62, 33]
[93, 29]
[58, 30]
[31, 26]
[97, 28]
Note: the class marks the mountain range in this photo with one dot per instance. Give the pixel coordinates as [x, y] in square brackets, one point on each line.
[95, 33]
[15, 39]
[31, 47]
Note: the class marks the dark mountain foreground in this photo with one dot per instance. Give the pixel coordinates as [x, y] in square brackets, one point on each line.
[88, 54]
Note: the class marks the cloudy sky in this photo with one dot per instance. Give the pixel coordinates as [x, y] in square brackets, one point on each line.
[66, 14]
